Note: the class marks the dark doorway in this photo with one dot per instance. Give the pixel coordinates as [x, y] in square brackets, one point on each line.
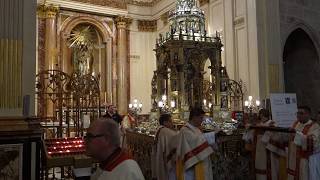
[302, 69]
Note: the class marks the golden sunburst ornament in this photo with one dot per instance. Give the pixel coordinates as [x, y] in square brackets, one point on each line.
[82, 38]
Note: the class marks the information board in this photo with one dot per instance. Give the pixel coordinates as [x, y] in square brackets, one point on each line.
[284, 108]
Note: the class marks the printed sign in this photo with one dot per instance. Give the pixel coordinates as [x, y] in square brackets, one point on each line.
[284, 109]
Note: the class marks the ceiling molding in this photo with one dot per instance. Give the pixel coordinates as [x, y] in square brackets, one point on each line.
[80, 6]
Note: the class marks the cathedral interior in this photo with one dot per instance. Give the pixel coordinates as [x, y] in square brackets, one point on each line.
[63, 63]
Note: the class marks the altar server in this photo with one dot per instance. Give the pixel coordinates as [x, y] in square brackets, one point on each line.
[161, 148]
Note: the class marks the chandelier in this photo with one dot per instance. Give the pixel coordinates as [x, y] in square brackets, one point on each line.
[187, 22]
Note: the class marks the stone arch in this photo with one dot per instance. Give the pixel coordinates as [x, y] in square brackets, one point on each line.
[301, 68]
[311, 32]
[107, 36]
[72, 22]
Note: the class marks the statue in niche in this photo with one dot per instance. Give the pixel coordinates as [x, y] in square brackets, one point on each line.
[82, 41]
[174, 80]
[83, 61]
[224, 102]
[223, 86]
[154, 83]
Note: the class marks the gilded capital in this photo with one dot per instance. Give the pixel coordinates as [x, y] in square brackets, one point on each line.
[122, 21]
[148, 26]
[47, 11]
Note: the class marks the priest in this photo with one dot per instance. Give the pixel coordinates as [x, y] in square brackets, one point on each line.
[161, 148]
[304, 148]
[193, 149]
[102, 143]
[265, 168]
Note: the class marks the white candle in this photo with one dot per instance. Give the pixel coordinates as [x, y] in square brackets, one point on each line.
[160, 104]
[257, 102]
[246, 103]
[173, 104]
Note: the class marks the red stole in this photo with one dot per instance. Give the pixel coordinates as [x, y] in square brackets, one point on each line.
[302, 153]
[116, 158]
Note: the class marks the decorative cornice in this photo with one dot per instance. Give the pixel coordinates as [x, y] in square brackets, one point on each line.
[86, 7]
[123, 19]
[147, 26]
[149, 3]
[47, 11]
[121, 4]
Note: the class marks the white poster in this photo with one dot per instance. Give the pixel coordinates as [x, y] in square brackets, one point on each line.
[284, 109]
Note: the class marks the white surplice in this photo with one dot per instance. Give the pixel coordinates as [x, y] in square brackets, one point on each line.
[193, 150]
[304, 152]
[119, 167]
[160, 150]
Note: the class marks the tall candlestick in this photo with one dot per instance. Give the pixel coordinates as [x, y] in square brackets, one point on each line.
[105, 97]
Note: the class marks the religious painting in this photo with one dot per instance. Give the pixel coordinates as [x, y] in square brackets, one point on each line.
[11, 161]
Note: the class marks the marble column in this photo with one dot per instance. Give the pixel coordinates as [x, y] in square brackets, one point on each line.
[51, 36]
[48, 14]
[122, 66]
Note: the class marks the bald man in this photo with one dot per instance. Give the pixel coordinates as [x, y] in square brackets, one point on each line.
[103, 144]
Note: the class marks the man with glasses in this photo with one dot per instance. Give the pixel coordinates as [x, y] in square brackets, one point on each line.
[304, 148]
[102, 143]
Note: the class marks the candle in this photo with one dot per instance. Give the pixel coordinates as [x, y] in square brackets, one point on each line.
[246, 103]
[105, 97]
[257, 102]
[173, 104]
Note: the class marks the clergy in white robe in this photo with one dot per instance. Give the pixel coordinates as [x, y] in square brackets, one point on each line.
[278, 155]
[128, 122]
[102, 142]
[266, 168]
[193, 150]
[263, 166]
[304, 148]
[161, 148]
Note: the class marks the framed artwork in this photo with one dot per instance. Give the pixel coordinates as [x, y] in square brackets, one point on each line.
[11, 161]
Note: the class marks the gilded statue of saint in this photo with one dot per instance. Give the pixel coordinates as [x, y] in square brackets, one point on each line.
[82, 42]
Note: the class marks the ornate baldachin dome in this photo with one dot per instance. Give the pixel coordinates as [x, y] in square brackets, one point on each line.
[187, 22]
[187, 18]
